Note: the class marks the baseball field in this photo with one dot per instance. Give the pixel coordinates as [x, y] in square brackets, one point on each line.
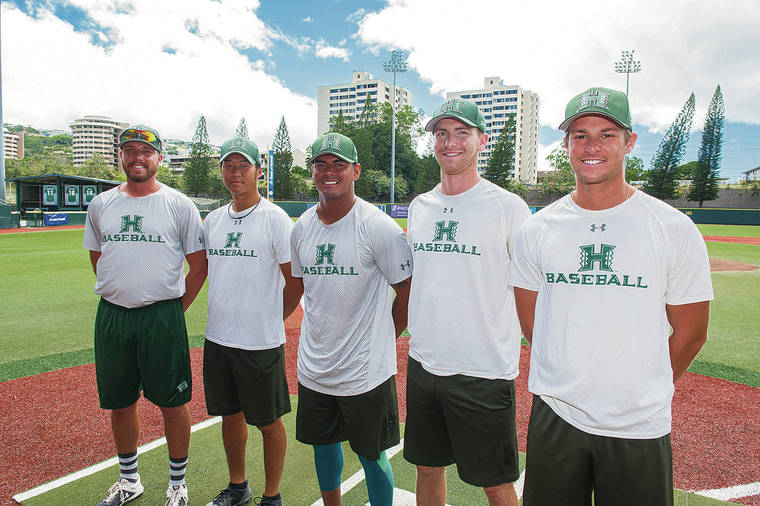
[56, 442]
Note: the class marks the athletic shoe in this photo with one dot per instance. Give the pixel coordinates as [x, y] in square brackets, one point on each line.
[265, 501]
[232, 497]
[122, 492]
[176, 495]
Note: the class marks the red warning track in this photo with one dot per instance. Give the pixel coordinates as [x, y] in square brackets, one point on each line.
[52, 424]
[755, 241]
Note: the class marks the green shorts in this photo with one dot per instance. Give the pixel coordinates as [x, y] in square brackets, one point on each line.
[142, 348]
[251, 381]
[369, 421]
[462, 419]
[564, 464]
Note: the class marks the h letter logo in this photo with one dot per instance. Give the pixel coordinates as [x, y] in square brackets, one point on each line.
[135, 224]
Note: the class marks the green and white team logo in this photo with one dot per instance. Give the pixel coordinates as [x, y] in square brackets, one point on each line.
[595, 98]
[232, 247]
[325, 253]
[445, 240]
[330, 142]
[589, 257]
[324, 263]
[450, 105]
[596, 259]
[129, 223]
[133, 224]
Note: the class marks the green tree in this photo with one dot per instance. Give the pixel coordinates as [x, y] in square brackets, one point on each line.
[169, 177]
[705, 178]
[37, 165]
[634, 168]
[338, 124]
[242, 130]
[283, 161]
[501, 163]
[561, 180]
[96, 167]
[661, 178]
[685, 171]
[200, 163]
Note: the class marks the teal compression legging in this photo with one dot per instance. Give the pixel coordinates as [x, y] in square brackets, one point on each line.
[328, 460]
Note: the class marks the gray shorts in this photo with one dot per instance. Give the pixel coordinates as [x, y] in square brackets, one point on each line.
[251, 381]
[462, 419]
[564, 464]
[369, 421]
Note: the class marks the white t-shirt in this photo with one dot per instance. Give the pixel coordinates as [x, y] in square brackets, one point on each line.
[245, 281]
[600, 355]
[462, 314]
[347, 344]
[143, 243]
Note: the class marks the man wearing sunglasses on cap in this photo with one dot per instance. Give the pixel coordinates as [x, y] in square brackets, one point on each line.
[139, 235]
[250, 293]
[345, 253]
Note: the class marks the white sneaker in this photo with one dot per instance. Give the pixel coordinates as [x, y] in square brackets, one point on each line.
[122, 492]
[176, 495]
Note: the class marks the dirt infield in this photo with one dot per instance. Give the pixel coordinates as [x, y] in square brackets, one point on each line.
[52, 424]
[718, 265]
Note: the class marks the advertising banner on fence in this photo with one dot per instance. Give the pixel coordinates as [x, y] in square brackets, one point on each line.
[399, 210]
[52, 220]
[49, 195]
[270, 173]
[72, 195]
[88, 193]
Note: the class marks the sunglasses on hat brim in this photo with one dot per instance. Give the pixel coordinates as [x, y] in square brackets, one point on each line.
[135, 134]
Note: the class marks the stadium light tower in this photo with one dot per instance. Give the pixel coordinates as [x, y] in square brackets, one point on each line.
[396, 63]
[627, 65]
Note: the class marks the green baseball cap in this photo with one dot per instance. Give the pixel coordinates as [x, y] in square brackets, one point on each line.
[464, 111]
[334, 144]
[248, 149]
[140, 133]
[603, 101]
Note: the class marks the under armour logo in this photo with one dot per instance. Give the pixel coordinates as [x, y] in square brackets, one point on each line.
[602, 227]
[448, 210]
[405, 265]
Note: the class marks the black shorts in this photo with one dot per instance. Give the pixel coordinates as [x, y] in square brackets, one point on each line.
[462, 419]
[251, 381]
[369, 421]
[142, 348]
[564, 464]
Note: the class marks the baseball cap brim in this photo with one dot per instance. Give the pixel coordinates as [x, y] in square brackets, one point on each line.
[334, 153]
[241, 153]
[127, 141]
[566, 124]
[430, 126]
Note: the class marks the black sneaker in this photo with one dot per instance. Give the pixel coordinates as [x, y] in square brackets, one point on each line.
[232, 497]
[267, 501]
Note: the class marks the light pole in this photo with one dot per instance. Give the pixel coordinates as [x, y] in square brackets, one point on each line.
[627, 65]
[396, 63]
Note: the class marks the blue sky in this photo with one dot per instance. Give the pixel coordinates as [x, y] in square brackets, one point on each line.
[165, 63]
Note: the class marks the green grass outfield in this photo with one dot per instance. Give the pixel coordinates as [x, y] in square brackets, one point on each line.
[47, 319]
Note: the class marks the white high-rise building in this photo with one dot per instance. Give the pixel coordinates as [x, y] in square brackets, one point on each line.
[497, 102]
[96, 134]
[13, 144]
[350, 98]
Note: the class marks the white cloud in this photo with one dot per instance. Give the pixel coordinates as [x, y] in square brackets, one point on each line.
[558, 49]
[322, 50]
[543, 152]
[357, 16]
[53, 74]
[308, 19]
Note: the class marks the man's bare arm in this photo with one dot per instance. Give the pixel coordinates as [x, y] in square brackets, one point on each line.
[196, 275]
[689, 322]
[525, 300]
[400, 309]
[94, 257]
[292, 292]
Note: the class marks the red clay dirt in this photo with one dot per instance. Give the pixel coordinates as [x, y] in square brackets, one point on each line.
[755, 241]
[52, 424]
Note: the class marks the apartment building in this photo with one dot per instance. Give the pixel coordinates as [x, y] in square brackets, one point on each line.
[350, 98]
[497, 102]
[13, 144]
[96, 134]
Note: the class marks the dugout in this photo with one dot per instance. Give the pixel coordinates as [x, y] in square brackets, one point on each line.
[56, 199]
